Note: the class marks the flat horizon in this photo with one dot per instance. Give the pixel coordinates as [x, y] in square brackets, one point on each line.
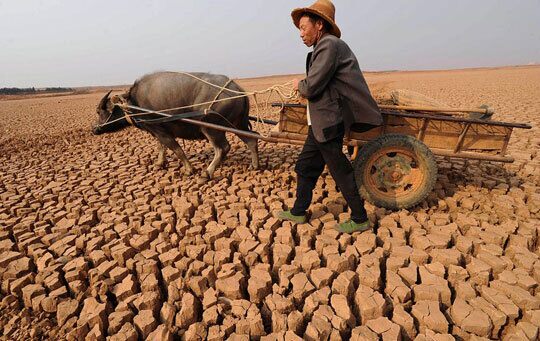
[291, 74]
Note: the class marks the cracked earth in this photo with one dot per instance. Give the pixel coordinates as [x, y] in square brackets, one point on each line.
[96, 242]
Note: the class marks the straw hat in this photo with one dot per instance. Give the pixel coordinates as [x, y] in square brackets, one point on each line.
[324, 9]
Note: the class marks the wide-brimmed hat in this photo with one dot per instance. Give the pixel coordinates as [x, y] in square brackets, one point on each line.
[324, 9]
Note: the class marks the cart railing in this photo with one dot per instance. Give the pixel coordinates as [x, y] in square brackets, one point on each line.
[449, 136]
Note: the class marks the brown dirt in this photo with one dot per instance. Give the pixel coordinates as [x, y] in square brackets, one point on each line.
[96, 241]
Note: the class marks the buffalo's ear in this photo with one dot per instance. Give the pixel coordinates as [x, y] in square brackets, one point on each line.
[104, 100]
[116, 99]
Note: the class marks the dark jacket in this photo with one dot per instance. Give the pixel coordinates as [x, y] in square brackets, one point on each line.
[336, 90]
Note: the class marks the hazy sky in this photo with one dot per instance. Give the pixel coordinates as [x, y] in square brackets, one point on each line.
[98, 42]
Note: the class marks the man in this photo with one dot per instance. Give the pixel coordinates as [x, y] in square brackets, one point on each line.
[338, 99]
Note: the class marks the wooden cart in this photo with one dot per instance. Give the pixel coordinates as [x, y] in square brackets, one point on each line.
[394, 164]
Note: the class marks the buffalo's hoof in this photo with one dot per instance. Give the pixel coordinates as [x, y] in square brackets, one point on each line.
[207, 175]
[204, 178]
[162, 164]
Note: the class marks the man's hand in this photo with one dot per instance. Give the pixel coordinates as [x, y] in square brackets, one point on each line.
[295, 87]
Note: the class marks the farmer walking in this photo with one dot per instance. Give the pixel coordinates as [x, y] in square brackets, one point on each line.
[338, 101]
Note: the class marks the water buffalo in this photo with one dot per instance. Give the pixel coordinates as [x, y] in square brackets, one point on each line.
[165, 90]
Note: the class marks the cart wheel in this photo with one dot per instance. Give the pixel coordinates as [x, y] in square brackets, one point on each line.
[395, 171]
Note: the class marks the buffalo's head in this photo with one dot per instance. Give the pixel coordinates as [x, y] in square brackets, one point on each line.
[110, 115]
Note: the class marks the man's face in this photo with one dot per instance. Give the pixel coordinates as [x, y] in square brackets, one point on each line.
[309, 32]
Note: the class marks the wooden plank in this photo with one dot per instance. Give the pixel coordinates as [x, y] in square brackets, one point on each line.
[441, 134]
[285, 141]
[462, 155]
[506, 139]
[462, 137]
[287, 135]
[282, 115]
[422, 132]
[294, 120]
[438, 110]
[456, 119]
[473, 155]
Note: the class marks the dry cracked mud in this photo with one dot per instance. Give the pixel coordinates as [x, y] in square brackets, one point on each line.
[96, 242]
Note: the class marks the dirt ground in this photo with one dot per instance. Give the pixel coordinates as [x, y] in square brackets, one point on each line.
[98, 242]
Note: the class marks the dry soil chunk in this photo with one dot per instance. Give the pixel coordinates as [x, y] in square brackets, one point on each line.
[342, 309]
[429, 316]
[259, 285]
[189, 311]
[145, 323]
[66, 309]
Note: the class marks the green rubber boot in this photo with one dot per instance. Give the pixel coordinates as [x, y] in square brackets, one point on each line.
[350, 226]
[287, 215]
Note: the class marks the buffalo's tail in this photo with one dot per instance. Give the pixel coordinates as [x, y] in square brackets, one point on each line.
[246, 114]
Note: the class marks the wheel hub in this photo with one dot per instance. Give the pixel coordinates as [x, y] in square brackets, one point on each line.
[393, 171]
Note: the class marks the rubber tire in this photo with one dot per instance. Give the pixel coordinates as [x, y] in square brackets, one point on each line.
[424, 155]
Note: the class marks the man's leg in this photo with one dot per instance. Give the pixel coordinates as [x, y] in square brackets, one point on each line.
[309, 167]
[341, 170]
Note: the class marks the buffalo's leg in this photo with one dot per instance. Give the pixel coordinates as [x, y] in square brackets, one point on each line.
[226, 149]
[171, 143]
[221, 148]
[162, 156]
[253, 149]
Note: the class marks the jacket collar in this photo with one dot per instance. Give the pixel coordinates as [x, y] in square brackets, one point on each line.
[308, 59]
[321, 38]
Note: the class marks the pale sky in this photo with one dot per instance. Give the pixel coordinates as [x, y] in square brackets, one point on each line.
[98, 42]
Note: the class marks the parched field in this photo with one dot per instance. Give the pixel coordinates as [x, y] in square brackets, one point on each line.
[97, 242]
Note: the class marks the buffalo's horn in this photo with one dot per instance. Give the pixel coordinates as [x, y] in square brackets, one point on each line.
[103, 102]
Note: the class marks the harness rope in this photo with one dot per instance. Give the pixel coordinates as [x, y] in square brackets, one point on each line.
[219, 93]
[283, 91]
